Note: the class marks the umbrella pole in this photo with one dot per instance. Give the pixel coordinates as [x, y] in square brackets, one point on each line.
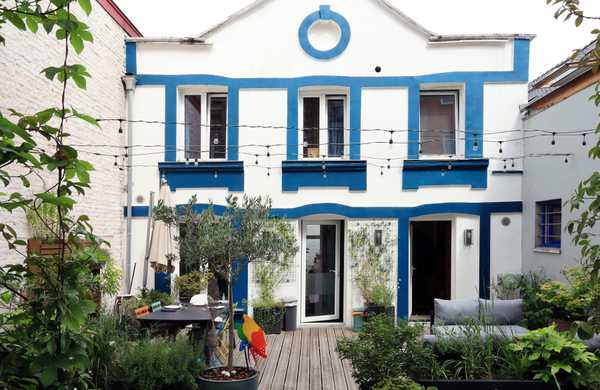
[149, 229]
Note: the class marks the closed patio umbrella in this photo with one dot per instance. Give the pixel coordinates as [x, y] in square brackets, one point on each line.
[163, 247]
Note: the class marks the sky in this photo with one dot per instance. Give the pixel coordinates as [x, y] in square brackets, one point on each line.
[554, 42]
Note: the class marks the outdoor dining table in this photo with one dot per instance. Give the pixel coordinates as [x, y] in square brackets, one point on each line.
[201, 317]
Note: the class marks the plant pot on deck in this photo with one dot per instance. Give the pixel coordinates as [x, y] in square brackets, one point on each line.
[210, 382]
[270, 318]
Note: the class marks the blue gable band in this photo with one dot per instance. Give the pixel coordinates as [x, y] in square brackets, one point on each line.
[420, 173]
[334, 173]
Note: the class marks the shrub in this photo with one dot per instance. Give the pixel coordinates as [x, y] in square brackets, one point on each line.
[192, 283]
[399, 383]
[154, 364]
[147, 297]
[552, 356]
[269, 316]
[382, 350]
[536, 312]
[470, 356]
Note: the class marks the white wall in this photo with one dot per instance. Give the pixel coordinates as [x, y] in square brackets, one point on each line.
[505, 245]
[550, 178]
[379, 38]
[26, 90]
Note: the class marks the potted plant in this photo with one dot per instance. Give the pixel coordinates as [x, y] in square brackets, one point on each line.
[192, 283]
[268, 311]
[372, 267]
[245, 232]
[43, 222]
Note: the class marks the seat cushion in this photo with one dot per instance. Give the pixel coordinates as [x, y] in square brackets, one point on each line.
[592, 344]
[455, 312]
[501, 312]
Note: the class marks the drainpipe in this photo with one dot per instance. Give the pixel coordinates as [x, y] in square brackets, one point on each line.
[129, 82]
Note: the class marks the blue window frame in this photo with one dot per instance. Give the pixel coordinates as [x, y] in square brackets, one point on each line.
[548, 216]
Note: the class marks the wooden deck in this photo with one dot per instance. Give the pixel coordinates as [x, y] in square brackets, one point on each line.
[305, 360]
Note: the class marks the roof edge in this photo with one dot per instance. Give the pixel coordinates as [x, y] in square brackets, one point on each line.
[480, 37]
[119, 16]
[231, 18]
[407, 19]
[182, 40]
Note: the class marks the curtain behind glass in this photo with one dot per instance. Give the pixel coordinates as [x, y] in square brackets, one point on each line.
[193, 128]
[335, 127]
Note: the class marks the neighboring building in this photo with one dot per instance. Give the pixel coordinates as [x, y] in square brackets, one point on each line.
[26, 90]
[559, 102]
[299, 101]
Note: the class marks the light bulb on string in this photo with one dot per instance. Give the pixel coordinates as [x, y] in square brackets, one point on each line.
[216, 175]
[566, 159]
[500, 150]
[187, 161]
[475, 145]
[381, 172]
[584, 141]
[268, 151]
[553, 139]
[120, 126]
[388, 164]
[504, 165]
[256, 162]
[513, 163]
[269, 171]
[196, 161]
[391, 137]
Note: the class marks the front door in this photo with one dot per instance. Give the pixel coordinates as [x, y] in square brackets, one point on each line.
[321, 266]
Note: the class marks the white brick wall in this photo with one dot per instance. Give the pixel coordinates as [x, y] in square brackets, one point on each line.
[26, 90]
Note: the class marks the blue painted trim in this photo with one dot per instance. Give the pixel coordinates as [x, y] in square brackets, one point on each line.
[355, 121]
[324, 13]
[419, 173]
[137, 211]
[292, 123]
[130, 58]
[229, 174]
[414, 121]
[474, 82]
[404, 215]
[474, 119]
[233, 114]
[240, 285]
[338, 173]
[170, 122]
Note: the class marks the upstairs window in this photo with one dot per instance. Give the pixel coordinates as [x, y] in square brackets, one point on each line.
[205, 117]
[439, 121]
[548, 230]
[324, 126]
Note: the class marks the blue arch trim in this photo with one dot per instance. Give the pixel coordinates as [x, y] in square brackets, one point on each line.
[404, 215]
[324, 13]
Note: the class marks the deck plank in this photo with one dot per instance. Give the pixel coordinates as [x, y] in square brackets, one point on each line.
[291, 376]
[304, 367]
[268, 371]
[326, 366]
[336, 362]
[284, 359]
[315, 361]
[340, 333]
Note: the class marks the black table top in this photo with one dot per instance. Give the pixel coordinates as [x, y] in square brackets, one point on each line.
[187, 315]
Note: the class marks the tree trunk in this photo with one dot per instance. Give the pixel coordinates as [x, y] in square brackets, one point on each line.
[231, 323]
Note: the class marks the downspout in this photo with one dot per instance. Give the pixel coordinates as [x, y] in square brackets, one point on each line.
[129, 82]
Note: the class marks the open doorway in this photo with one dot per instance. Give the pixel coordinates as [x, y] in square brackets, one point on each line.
[431, 264]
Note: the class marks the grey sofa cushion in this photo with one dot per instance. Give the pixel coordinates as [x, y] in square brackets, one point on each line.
[592, 344]
[455, 312]
[501, 312]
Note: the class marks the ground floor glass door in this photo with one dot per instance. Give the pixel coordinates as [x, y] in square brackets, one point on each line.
[321, 271]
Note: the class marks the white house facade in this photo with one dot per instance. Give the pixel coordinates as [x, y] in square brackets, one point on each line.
[345, 115]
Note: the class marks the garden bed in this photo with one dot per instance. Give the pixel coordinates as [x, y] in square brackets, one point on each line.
[495, 384]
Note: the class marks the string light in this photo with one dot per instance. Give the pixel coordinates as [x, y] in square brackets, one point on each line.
[216, 175]
[381, 170]
[566, 159]
[187, 161]
[391, 137]
[553, 139]
[500, 150]
[388, 164]
[268, 171]
[449, 165]
[420, 148]
[513, 163]
[120, 126]
[584, 143]
[505, 165]
[268, 151]
[196, 161]
[475, 145]
[256, 162]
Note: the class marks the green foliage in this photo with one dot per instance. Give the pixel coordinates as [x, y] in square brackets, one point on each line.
[573, 300]
[585, 202]
[44, 341]
[269, 317]
[469, 357]
[43, 222]
[383, 351]
[372, 265]
[147, 297]
[269, 277]
[245, 230]
[399, 383]
[551, 356]
[192, 283]
[536, 312]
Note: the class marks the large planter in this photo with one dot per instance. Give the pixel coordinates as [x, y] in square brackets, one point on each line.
[242, 384]
[497, 384]
[270, 318]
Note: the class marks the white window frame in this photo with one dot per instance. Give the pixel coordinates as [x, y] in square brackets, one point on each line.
[459, 142]
[324, 97]
[205, 95]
